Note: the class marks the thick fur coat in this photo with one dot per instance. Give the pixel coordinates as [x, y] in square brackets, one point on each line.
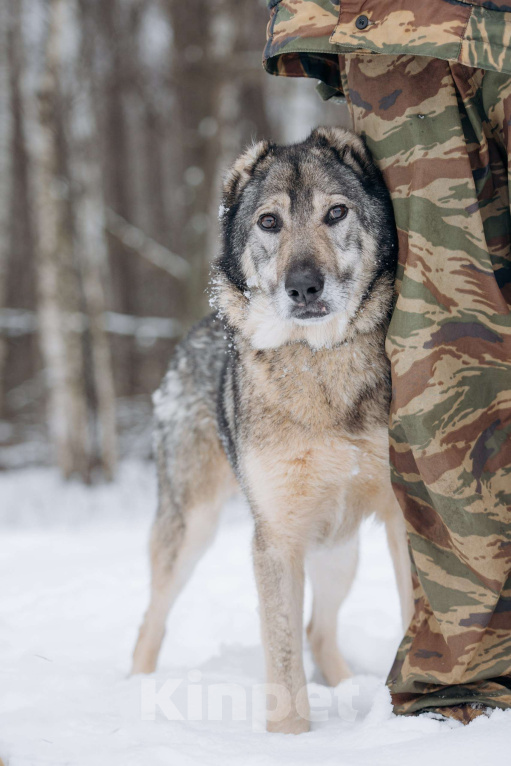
[284, 392]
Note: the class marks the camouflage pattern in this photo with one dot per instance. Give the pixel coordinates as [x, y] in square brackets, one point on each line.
[441, 133]
[305, 36]
[299, 40]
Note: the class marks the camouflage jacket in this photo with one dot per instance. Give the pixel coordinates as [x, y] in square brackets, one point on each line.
[305, 37]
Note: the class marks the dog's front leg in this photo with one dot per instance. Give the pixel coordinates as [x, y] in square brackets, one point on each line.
[279, 570]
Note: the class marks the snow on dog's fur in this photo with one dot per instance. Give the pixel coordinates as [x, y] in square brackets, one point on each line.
[284, 392]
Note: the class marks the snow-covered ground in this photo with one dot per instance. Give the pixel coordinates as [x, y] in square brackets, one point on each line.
[74, 580]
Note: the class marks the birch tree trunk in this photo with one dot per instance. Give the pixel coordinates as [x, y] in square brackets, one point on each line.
[114, 31]
[23, 357]
[90, 243]
[197, 81]
[5, 175]
[217, 107]
[59, 295]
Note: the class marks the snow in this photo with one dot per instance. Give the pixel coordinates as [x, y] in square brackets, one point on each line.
[74, 578]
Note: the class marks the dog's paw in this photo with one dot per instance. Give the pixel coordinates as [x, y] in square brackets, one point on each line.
[143, 663]
[335, 670]
[290, 725]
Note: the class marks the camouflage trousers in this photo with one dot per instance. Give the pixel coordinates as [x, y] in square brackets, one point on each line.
[441, 133]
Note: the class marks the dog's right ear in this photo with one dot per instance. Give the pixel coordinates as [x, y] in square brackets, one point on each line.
[242, 171]
[349, 148]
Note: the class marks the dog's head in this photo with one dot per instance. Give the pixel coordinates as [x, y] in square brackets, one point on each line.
[309, 242]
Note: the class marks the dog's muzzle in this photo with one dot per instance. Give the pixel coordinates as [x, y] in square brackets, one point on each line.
[304, 287]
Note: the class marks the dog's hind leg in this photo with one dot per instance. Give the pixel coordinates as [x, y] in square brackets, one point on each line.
[398, 546]
[191, 496]
[331, 571]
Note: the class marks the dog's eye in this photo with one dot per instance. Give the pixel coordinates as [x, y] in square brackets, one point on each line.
[336, 213]
[268, 221]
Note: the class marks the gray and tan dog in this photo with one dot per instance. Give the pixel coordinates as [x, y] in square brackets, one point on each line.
[284, 391]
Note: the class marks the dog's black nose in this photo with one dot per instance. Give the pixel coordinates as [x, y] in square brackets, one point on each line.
[304, 284]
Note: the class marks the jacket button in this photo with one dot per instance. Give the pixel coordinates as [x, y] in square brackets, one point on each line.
[361, 22]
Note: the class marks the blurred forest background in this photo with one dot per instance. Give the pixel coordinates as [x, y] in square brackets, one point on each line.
[117, 119]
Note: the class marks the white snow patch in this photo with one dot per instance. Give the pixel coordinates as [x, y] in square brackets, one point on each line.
[74, 577]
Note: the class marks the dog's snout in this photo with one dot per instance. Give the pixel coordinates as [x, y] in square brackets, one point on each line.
[304, 284]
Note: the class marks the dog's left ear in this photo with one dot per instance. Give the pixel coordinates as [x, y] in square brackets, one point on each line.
[348, 146]
[243, 170]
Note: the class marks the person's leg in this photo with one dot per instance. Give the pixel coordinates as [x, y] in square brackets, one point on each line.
[449, 344]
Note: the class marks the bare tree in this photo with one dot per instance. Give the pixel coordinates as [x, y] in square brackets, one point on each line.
[59, 295]
[5, 172]
[90, 242]
[196, 79]
[72, 255]
[114, 26]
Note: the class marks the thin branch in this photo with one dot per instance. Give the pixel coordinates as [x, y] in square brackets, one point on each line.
[152, 251]
[17, 322]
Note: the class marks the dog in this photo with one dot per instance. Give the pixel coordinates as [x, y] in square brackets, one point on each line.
[284, 392]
